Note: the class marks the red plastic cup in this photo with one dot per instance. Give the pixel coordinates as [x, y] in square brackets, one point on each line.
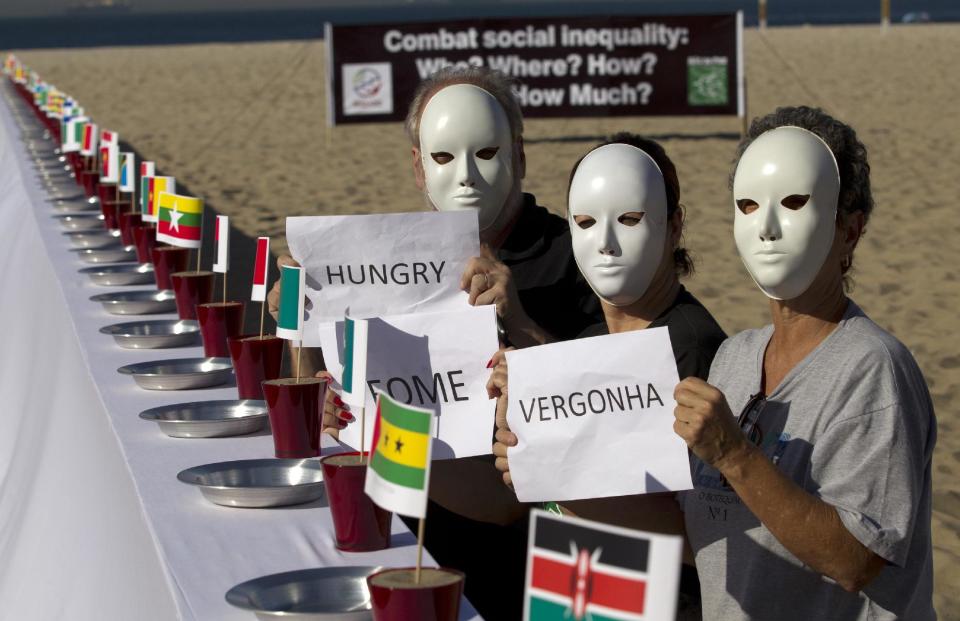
[191, 289]
[295, 410]
[359, 525]
[107, 192]
[111, 210]
[168, 260]
[396, 596]
[128, 220]
[145, 239]
[218, 322]
[255, 359]
[91, 181]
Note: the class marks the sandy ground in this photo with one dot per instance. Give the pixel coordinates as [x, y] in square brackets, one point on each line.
[243, 126]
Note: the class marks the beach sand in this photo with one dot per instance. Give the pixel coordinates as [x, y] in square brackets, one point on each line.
[244, 127]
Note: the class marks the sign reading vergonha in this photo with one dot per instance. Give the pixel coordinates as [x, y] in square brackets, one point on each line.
[584, 66]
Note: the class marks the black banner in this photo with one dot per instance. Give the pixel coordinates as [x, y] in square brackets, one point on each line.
[584, 66]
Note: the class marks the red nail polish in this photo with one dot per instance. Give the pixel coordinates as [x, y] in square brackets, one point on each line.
[490, 364]
[337, 400]
[346, 416]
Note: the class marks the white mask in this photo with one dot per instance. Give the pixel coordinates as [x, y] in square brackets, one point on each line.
[786, 238]
[617, 259]
[467, 152]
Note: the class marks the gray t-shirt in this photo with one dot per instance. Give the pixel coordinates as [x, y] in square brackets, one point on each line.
[852, 424]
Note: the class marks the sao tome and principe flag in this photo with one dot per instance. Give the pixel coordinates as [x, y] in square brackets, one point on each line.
[399, 473]
[88, 147]
[155, 187]
[127, 171]
[261, 265]
[354, 379]
[293, 284]
[578, 570]
[179, 220]
[221, 235]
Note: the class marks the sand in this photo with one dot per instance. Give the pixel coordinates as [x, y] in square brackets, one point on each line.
[243, 127]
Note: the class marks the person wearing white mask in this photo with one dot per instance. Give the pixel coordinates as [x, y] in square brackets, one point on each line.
[814, 502]
[626, 226]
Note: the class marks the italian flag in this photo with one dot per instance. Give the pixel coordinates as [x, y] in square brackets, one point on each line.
[180, 220]
[260, 270]
[354, 379]
[73, 136]
[155, 187]
[293, 284]
[399, 473]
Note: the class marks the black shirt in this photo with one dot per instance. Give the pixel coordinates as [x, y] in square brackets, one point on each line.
[694, 334]
[553, 293]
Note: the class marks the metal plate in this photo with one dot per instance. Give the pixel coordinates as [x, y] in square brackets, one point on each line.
[154, 333]
[120, 254]
[328, 593]
[209, 419]
[73, 203]
[145, 302]
[81, 222]
[257, 483]
[94, 239]
[120, 274]
[179, 373]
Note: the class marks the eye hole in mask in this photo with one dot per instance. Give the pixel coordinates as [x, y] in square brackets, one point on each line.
[631, 218]
[442, 157]
[795, 201]
[747, 205]
[488, 153]
[584, 222]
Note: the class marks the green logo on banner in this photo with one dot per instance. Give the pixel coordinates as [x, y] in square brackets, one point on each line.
[707, 83]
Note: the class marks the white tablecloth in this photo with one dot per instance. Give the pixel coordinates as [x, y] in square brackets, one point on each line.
[93, 522]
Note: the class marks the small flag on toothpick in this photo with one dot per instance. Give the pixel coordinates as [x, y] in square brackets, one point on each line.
[127, 171]
[260, 270]
[399, 472]
[109, 161]
[578, 569]
[355, 339]
[290, 316]
[155, 187]
[147, 170]
[73, 136]
[89, 145]
[179, 220]
[222, 237]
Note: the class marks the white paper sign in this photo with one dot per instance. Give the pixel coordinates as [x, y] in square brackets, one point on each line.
[382, 265]
[432, 360]
[594, 418]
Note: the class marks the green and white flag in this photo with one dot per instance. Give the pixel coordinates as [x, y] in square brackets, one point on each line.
[293, 285]
[355, 340]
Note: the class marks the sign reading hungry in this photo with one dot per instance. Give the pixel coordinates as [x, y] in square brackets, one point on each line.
[380, 265]
[594, 418]
[436, 361]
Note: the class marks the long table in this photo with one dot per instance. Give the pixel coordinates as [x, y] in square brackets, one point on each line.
[93, 522]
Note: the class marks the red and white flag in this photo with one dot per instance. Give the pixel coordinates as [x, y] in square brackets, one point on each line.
[222, 237]
[109, 137]
[260, 270]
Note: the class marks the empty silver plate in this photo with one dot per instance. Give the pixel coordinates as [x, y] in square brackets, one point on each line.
[73, 203]
[257, 483]
[81, 222]
[326, 593]
[94, 239]
[154, 334]
[209, 419]
[120, 274]
[119, 254]
[145, 302]
[179, 373]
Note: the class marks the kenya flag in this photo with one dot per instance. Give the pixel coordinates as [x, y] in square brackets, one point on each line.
[581, 570]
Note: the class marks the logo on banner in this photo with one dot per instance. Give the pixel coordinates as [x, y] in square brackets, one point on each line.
[367, 88]
[707, 81]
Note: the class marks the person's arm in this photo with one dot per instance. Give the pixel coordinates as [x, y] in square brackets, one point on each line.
[489, 281]
[808, 527]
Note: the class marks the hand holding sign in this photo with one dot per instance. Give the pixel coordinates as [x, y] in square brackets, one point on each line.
[704, 421]
[497, 388]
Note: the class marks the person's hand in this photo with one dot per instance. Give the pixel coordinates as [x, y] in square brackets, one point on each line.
[489, 281]
[273, 297]
[497, 387]
[336, 413]
[704, 421]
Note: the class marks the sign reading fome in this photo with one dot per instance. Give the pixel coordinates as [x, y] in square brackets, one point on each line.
[585, 66]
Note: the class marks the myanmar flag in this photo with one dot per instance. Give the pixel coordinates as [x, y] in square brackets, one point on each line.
[581, 570]
[399, 471]
[179, 220]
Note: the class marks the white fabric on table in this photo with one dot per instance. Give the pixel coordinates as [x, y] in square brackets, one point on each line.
[92, 518]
